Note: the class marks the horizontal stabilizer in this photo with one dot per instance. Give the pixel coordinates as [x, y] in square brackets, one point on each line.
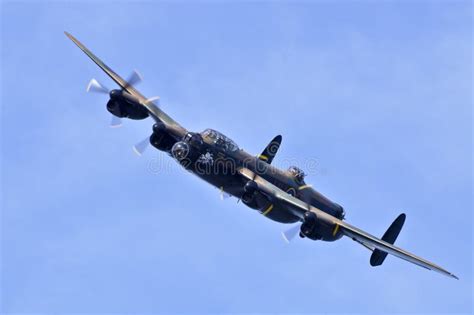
[390, 237]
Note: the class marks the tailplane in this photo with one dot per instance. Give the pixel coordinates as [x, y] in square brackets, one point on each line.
[390, 236]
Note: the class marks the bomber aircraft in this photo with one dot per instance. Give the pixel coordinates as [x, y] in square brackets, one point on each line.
[280, 195]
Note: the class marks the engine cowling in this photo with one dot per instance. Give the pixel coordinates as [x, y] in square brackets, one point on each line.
[309, 228]
[122, 104]
[248, 197]
[254, 199]
[125, 109]
[161, 139]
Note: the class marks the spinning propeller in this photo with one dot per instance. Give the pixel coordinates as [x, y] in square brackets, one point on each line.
[134, 78]
[290, 234]
[224, 195]
[96, 87]
[141, 146]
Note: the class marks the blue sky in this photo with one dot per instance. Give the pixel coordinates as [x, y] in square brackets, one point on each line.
[378, 93]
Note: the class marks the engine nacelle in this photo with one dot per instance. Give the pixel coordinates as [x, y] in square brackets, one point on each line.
[250, 192]
[251, 187]
[161, 139]
[124, 109]
[124, 105]
[254, 199]
[309, 228]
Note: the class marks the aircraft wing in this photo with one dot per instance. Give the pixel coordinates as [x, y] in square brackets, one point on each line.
[153, 110]
[369, 240]
[298, 208]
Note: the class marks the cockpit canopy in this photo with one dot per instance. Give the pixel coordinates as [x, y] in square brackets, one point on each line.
[217, 138]
[297, 173]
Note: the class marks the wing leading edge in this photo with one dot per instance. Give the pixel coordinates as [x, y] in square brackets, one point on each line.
[153, 110]
[299, 207]
[370, 240]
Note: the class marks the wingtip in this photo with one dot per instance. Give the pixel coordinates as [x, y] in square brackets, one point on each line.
[449, 274]
[73, 39]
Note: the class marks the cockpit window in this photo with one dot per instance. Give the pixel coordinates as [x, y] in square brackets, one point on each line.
[219, 140]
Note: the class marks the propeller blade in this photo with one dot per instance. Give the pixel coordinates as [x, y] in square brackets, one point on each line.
[95, 86]
[133, 79]
[115, 122]
[155, 100]
[141, 146]
[289, 234]
[224, 195]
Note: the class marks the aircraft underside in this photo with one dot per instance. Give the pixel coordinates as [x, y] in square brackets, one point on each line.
[280, 195]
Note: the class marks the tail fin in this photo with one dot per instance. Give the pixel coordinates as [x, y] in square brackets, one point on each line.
[271, 150]
[390, 237]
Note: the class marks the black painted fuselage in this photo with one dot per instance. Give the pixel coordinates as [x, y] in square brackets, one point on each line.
[216, 159]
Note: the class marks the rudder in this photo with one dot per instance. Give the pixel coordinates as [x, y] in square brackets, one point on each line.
[390, 236]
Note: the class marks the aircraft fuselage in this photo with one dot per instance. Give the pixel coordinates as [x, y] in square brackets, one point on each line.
[217, 159]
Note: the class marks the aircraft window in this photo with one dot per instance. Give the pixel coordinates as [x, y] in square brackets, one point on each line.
[219, 140]
[297, 173]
